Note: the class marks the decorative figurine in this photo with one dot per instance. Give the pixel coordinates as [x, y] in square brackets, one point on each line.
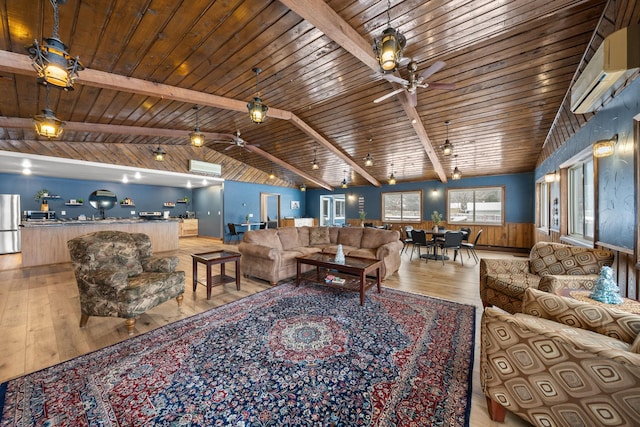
[606, 289]
[339, 255]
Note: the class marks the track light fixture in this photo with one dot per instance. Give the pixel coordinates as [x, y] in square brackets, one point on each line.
[388, 47]
[604, 147]
[47, 124]
[51, 60]
[257, 110]
[159, 154]
[447, 147]
[197, 138]
[456, 172]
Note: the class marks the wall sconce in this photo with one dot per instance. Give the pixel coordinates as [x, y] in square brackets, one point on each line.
[197, 138]
[257, 110]
[550, 177]
[388, 47]
[51, 61]
[159, 154]
[604, 147]
[47, 124]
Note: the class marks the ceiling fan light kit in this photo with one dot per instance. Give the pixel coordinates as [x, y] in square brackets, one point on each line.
[257, 110]
[51, 60]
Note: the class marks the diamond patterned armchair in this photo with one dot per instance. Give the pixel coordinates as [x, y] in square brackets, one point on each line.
[551, 266]
[118, 276]
[561, 362]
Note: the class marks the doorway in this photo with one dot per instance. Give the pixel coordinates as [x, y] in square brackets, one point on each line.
[332, 210]
[270, 208]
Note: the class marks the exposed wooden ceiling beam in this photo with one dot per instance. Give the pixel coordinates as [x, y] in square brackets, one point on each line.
[21, 64]
[21, 123]
[325, 19]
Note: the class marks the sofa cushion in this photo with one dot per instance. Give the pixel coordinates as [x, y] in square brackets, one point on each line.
[303, 236]
[350, 236]
[319, 236]
[288, 237]
[267, 237]
[306, 250]
[559, 259]
[513, 285]
[333, 234]
[373, 238]
[364, 253]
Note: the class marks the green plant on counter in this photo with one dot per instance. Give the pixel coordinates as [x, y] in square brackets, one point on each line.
[362, 215]
[436, 217]
[41, 194]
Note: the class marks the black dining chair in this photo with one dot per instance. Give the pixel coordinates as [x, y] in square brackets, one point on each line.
[233, 232]
[263, 225]
[466, 233]
[407, 239]
[420, 241]
[452, 240]
[471, 247]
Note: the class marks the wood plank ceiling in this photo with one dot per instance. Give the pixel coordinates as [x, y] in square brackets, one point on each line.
[149, 62]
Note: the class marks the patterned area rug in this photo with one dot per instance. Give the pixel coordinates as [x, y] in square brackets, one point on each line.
[307, 356]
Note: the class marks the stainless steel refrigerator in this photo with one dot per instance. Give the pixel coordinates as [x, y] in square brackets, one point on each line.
[9, 223]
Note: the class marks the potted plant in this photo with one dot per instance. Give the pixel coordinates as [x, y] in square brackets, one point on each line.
[40, 197]
[362, 215]
[80, 201]
[436, 217]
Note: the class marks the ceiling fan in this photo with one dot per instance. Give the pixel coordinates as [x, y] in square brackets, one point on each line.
[413, 82]
[235, 141]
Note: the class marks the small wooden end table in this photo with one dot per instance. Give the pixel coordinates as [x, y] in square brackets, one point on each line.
[213, 258]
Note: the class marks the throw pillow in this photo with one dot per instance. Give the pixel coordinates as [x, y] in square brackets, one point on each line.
[319, 236]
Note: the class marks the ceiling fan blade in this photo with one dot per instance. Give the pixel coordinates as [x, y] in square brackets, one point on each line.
[434, 68]
[389, 95]
[392, 78]
[441, 86]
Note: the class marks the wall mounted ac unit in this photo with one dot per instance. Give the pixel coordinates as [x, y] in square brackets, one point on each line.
[617, 58]
[205, 168]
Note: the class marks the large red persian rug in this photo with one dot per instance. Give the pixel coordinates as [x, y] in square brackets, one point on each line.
[306, 356]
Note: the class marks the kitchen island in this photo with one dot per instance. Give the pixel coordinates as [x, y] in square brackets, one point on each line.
[45, 242]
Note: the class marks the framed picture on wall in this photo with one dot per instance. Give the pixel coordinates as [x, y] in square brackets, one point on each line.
[295, 204]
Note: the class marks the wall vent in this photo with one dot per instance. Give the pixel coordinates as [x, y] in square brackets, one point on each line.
[205, 168]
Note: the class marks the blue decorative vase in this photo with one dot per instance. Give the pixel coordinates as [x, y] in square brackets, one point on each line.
[606, 289]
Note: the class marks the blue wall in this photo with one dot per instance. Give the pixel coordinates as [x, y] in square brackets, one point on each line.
[145, 197]
[519, 204]
[241, 198]
[616, 216]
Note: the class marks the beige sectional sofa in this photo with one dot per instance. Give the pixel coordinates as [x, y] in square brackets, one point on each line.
[270, 254]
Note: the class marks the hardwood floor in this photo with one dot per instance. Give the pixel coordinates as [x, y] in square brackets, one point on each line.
[39, 311]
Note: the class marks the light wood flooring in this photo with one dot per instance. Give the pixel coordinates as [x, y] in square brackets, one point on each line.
[40, 314]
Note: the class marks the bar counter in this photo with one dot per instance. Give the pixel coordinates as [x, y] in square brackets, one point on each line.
[45, 242]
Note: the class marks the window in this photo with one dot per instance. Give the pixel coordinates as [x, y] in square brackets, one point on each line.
[402, 206]
[339, 205]
[581, 200]
[543, 205]
[484, 205]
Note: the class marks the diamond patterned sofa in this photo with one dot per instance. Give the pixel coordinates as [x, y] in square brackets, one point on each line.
[118, 276]
[551, 266]
[561, 362]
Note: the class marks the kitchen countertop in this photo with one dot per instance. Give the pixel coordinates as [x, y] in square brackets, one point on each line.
[63, 222]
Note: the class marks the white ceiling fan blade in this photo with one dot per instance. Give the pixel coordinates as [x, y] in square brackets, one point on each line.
[434, 68]
[441, 86]
[389, 95]
[392, 78]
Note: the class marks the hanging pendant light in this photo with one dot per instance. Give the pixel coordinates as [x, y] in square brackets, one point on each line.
[159, 154]
[456, 172]
[344, 184]
[303, 187]
[272, 175]
[447, 147]
[388, 47]
[314, 163]
[257, 110]
[47, 124]
[392, 177]
[51, 60]
[196, 137]
[368, 161]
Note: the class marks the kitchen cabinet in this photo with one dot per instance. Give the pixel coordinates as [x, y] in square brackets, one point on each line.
[188, 228]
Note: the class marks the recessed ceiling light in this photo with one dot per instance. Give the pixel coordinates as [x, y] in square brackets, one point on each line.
[26, 171]
[125, 179]
[26, 163]
[137, 175]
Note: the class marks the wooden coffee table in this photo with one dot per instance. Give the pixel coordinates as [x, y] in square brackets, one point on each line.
[358, 267]
[213, 258]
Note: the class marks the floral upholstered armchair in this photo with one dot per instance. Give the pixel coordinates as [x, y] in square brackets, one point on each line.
[561, 362]
[551, 266]
[118, 276]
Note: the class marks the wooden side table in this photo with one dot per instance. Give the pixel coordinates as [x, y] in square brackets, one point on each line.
[213, 258]
[628, 305]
